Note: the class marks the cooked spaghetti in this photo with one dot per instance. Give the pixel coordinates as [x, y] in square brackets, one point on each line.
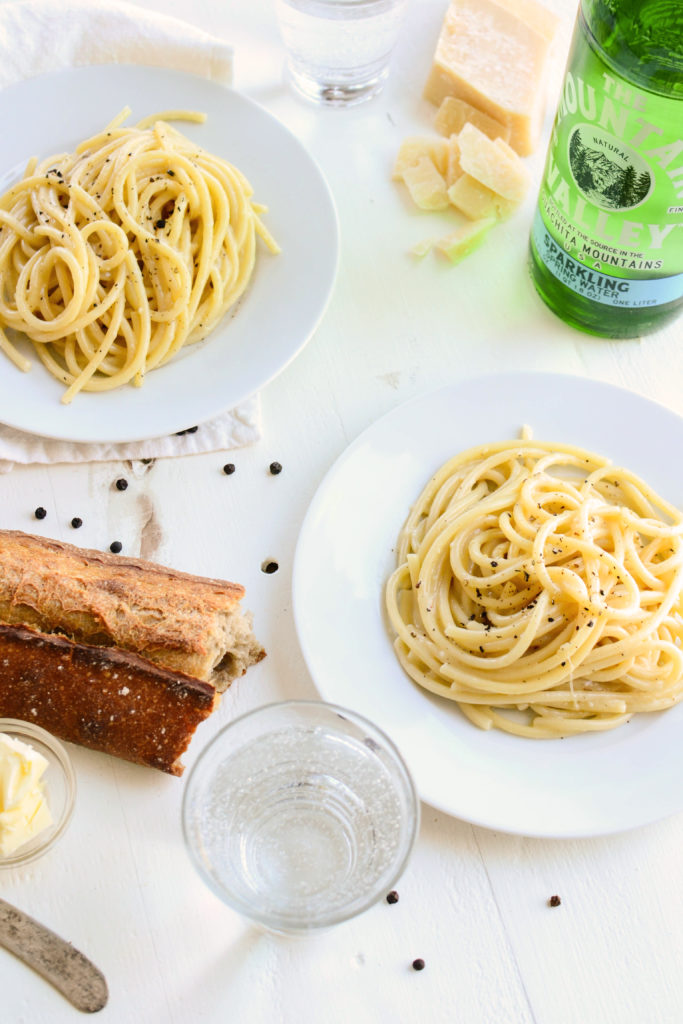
[540, 588]
[115, 256]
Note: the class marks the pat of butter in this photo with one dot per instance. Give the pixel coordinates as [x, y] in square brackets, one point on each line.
[23, 808]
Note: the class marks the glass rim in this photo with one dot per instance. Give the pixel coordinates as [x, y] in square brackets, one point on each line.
[293, 923]
[308, 5]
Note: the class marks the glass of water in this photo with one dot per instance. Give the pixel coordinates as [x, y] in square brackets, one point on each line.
[300, 815]
[338, 51]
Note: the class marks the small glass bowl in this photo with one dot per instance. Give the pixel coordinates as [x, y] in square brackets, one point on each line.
[59, 785]
[300, 815]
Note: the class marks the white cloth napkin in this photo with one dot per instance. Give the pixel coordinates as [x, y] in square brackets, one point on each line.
[37, 36]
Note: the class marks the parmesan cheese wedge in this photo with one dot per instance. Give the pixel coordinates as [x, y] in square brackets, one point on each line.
[496, 56]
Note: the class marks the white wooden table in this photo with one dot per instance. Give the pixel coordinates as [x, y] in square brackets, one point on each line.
[473, 903]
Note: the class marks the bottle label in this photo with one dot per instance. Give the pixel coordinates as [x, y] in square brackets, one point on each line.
[609, 222]
[590, 282]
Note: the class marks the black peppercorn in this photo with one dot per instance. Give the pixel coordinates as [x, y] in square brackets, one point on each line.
[270, 567]
[121, 484]
[554, 901]
[115, 546]
[419, 964]
[40, 512]
[275, 468]
[392, 897]
[229, 468]
[76, 522]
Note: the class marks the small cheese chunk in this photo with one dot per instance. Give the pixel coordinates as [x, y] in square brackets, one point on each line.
[453, 168]
[414, 148]
[495, 55]
[493, 163]
[465, 239]
[476, 200]
[454, 114]
[426, 186]
[421, 249]
[507, 151]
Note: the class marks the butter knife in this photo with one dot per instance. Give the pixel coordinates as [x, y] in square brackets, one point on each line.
[53, 958]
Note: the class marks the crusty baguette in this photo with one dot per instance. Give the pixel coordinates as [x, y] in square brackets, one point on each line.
[109, 700]
[183, 622]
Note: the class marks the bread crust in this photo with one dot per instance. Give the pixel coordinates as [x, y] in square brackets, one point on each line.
[105, 699]
[187, 623]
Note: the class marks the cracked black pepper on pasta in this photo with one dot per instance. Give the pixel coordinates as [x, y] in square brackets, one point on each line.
[133, 259]
[540, 587]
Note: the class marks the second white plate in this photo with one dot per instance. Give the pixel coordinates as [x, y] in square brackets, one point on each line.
[287, 295]
[581, 786]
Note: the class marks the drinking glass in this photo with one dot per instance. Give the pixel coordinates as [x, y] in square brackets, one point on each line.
[300, 815]
[338, 51]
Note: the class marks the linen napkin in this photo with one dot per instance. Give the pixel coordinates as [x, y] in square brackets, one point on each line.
[38, 36]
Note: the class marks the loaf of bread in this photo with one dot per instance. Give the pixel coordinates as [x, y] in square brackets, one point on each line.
[188, 623]
[98, 697]
[114, 653]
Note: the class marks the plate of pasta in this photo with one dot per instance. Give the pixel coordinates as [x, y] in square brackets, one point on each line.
[158, 265]
[494, 574]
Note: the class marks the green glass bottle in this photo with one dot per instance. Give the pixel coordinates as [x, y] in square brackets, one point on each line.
[606, 247]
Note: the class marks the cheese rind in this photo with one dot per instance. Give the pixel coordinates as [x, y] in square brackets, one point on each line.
[495, 55]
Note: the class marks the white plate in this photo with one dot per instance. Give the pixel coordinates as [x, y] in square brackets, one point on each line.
[285, 299]
[580, 786]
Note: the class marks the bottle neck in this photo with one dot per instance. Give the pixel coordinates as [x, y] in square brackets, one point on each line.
[642, 40]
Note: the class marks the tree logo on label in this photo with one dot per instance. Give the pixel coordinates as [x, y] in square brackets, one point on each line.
[606, 172]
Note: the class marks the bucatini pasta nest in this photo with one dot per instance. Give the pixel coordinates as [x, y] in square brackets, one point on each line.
[541, 579]
[116, 255]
